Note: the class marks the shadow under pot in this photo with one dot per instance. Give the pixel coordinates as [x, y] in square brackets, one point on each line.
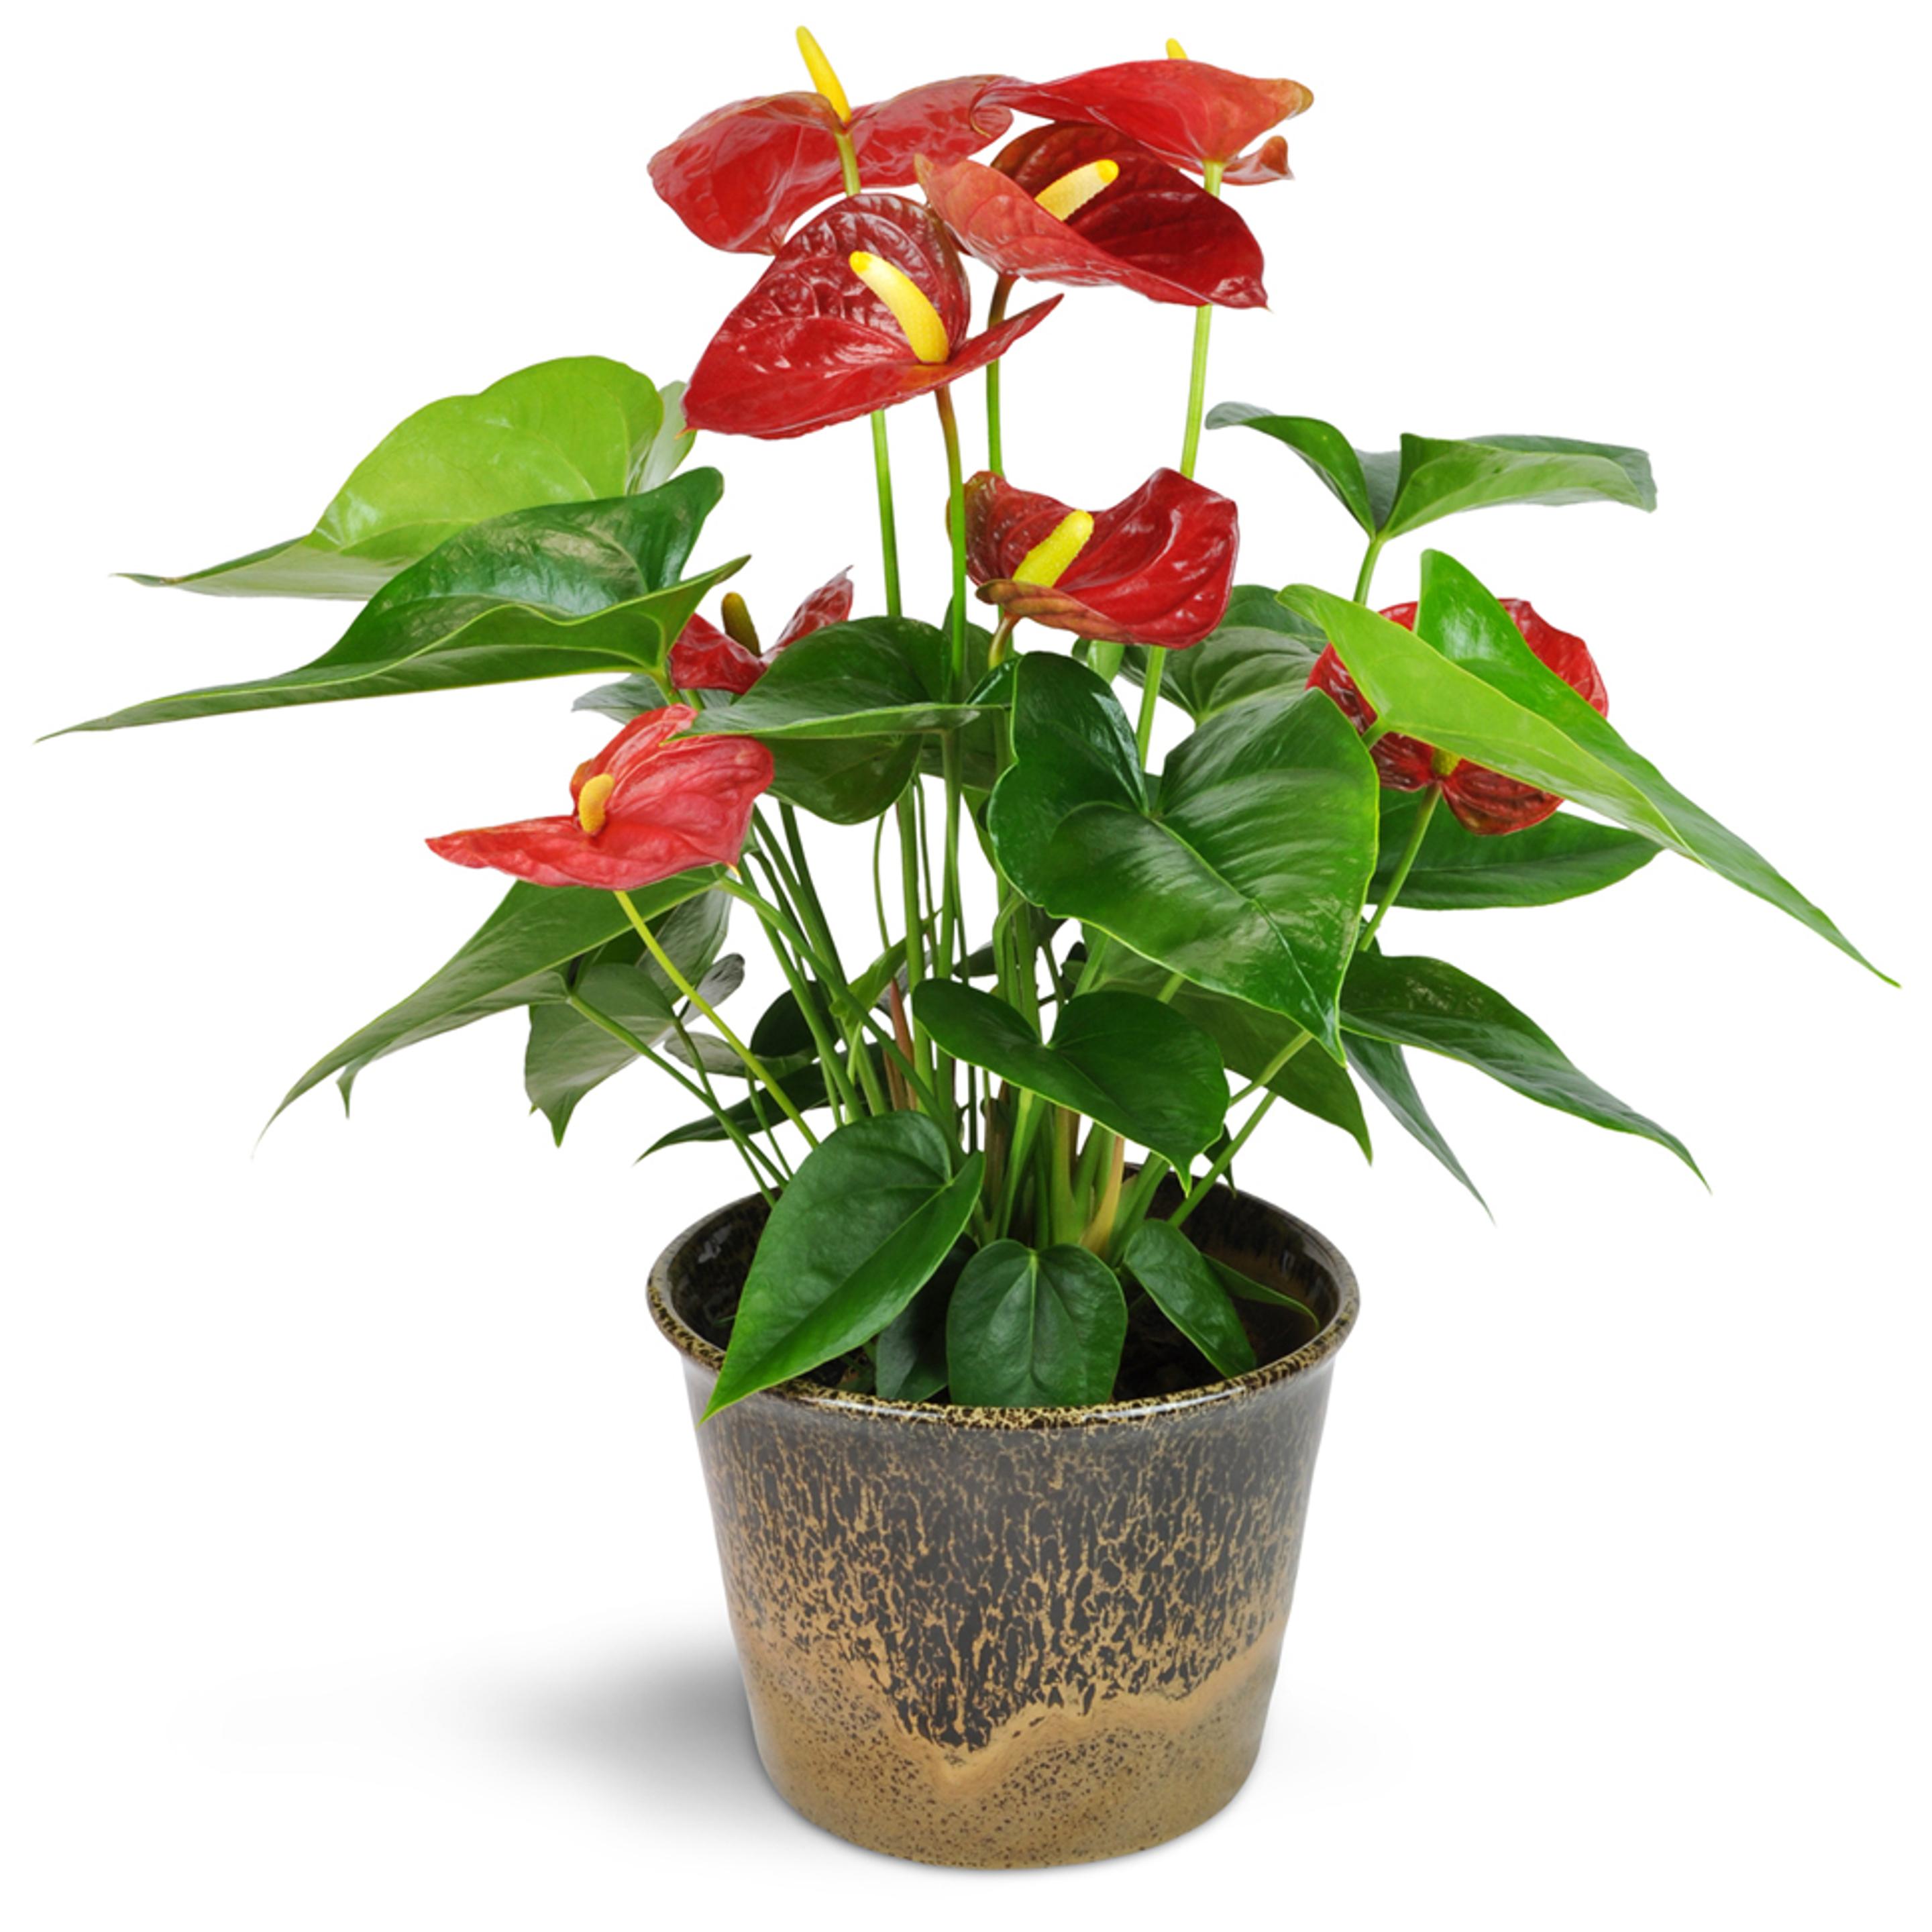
[1000, 1637]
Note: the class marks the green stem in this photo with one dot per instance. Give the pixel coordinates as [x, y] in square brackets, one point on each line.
[1366, 574]
[888, 533]
[1403, 866]
[996, 314]
[1157, 663]
[1202, 1188]
[838, 1087]
[951, 910]
[754, 1065]
[1197, 381]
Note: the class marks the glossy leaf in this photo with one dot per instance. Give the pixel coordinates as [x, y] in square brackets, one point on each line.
[567, 1056]
[568, 431]
[1119, 1058]
[1388, 492]
[804, 1087]
[1188, 1291]
[1246, 872]
[1383, 1068]
[872, 1211]
[1260, 648]
[1028, 1330]
[1414, 1002]
[1251, 1039]
[1469, 684]
[1242, 1288]
[909, 1360]
[514, 958]
[1562, 858]
[547, 592]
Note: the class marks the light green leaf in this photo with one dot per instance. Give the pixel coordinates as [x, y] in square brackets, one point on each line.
[870, 1214]
[568, 431]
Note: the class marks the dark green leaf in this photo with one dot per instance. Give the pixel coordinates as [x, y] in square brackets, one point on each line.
[1243, 1289]
[556, 591]
[909, 1364]
[514, 958]
[1247, 873]
[1030, 1331]
[1383, 1070]
[1187, 1291]
[1120, 1058]
[1468, 685]
[563, 432]
[1260, 650]
[873, 1210]
[1424, 1003]
[1563, 858]
[1346, 471]
[804, 1088]
[567, 1055]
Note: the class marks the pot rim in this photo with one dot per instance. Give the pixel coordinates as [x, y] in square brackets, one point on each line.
[1313, 1354]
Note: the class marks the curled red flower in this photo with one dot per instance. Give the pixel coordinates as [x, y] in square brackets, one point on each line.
[741, 176]
[650, 804]
[1084, 205]
[1157, 569]
[867, 305]
[706, 658]
[1187, 111]
[1485, 801]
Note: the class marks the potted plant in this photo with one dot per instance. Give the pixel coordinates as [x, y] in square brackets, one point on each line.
[1009, 1400]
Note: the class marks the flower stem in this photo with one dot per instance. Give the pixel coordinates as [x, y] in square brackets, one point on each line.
[1197, 381]
[754, 1065]
[1403, 866]
[1157, 663]
[1366, 574]
[996, 314]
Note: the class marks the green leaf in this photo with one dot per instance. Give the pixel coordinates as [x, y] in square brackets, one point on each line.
[567, 1056]
[514, 958]
[804, 1087]
[1439, 477]
[561, 432]
[1251, 1039]
[1026, 1330]
[1563, 858]
[1238, 1285]
[1388, 492]
[1260, 650]
[1246, 875]
[1120, 1058]
[1384, 1071]
[1465, 681]
[873, 1210]
[546, 592]
[660, 458]
[1364, 484]
[909, 1364]
[1187, 1291]
[1425, 1002]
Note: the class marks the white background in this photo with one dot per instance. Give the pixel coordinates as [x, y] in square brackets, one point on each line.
[359, 1570]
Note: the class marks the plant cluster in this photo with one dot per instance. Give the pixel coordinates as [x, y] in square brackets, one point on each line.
[941, 1119]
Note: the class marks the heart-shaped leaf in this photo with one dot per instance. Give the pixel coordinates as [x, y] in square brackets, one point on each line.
[568, 431]
[567, 1055]
[1251, 1039]
[1246, 873]
[1188, 1291]
[1388, 492]
[1465, 682]
[514, 958]
[1425, 1002]
[1562, 858]
[1026, 1330]
[1120, 1058]
[1260, 650]
[872, 1211]
[548, 592]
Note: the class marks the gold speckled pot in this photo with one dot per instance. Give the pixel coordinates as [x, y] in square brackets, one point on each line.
[1001, 1637]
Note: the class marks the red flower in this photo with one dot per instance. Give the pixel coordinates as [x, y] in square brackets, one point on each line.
[1188, 112]
[739, 177]
[1157, 569]
[649, 804]
[812, 344]
[706, 658]
[1485, 801]
[1143, 225]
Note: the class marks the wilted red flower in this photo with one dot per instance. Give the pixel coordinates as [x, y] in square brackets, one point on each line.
[813, 344]
[706, 658]
[1187, 111]
[1485, 801]
[1081, 204]
[739, 177]
[1157, 569]
[650, 804]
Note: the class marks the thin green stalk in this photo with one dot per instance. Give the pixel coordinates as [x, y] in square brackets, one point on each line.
[1202, 1188]
[754, 1065]
[879, 884]
[1157, 663]
[839, 1087]
[1366, 574]
[1403, 866]
[996, 314]
[1197, 380]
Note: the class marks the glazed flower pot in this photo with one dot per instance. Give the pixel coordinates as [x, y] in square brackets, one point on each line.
[1005, 1637]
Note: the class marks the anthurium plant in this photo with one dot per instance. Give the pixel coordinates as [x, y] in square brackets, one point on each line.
[980, 1141]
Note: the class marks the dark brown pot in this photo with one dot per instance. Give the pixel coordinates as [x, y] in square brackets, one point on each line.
[1005, 1637]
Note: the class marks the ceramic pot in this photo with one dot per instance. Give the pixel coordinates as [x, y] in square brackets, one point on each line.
[1009, 1636]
